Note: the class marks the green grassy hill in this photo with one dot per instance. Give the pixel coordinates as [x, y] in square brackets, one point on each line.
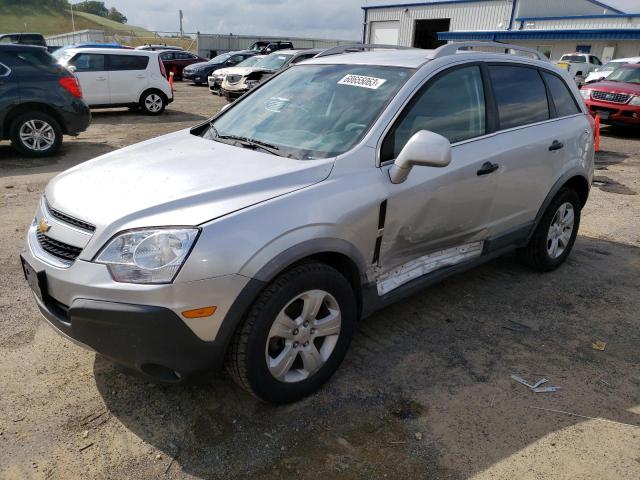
[49, 22]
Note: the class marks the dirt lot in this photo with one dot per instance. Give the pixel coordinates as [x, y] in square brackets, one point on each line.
[425, 391]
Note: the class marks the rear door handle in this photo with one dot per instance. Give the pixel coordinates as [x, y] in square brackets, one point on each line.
[487, 168]
[556, 145]
[101, 79]
[139, 76]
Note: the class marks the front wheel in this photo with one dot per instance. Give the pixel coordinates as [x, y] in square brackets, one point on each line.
[152, 103]
[295, 335]
[553, 239]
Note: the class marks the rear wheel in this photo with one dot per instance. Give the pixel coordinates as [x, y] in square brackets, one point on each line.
[556, 233]
[36, 134]
[295, 335]
[152, 102]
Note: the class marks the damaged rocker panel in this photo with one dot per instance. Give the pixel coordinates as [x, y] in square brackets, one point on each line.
[427, 264]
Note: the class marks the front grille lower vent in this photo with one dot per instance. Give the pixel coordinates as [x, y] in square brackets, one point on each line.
[58, 249]
[610, 97]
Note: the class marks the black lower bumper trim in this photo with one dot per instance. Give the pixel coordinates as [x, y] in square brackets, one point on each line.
[144, 338]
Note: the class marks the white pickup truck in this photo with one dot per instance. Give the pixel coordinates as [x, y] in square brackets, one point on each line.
[579, 65]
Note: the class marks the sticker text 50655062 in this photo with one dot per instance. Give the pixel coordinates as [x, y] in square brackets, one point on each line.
[362, 81]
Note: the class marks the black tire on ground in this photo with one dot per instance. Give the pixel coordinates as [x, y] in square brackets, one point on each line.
[40, 120]
[246, 357]
[536, 254]
[152, 102]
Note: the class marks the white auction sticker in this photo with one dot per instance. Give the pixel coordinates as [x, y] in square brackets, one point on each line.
[362, 81]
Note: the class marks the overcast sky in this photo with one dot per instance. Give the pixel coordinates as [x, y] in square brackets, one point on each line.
[340, 19]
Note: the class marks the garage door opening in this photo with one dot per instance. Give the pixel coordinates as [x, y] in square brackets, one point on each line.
[384, 33]
[426, 32]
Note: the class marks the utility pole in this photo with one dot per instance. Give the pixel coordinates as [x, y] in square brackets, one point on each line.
[181, 31]
[73, 22]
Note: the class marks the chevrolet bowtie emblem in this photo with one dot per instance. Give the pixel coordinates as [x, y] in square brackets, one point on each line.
[43, 226]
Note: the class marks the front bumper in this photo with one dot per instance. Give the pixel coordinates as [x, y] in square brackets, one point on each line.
[614, 113]
[232, 94]
[138, 326]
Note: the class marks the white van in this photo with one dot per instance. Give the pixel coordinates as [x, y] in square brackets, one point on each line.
[120, 78]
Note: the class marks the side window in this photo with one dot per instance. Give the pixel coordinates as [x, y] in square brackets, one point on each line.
[303, 57]
[184, 56]
[235, 59]
[128, 62]
[88, 62]
[562, 98]
[453, 106]
[520, 95]
[166, 56]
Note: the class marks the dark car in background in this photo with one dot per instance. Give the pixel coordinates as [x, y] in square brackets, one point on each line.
[176, 60]
[39, 101]
[266, 47]
[617, 98]
[198, 72]
[23, 39]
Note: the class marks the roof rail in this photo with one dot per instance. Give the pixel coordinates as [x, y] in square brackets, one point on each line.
[357, 47]
[452, 49]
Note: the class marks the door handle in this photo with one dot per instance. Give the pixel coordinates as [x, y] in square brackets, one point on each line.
[100, 79]
[556, 145]
[487, 168]
[139, 76]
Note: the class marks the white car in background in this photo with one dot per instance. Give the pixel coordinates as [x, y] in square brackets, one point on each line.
[579, 65]
[217, 77]
[607, 69]
[120, 78]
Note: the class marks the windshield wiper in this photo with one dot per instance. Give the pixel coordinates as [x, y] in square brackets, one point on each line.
[250, 142]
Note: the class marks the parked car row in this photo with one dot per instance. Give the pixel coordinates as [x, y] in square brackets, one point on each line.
[199, 72]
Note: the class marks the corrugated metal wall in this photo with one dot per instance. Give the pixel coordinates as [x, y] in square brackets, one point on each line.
[552, 8]
[587, 23]
[208, 43]
[465, 16]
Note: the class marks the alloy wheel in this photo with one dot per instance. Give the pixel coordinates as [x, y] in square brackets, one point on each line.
[153, 102]
[303, 336]
[560, 230]
[37, 135]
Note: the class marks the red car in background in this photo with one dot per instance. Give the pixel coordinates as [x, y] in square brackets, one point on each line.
[175, 61]
[616, 99]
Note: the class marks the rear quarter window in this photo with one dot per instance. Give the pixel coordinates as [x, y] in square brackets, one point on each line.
[520, 95]
[562, 98]
[128, 62]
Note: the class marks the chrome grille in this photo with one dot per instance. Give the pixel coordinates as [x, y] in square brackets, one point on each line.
[610, 97]
[58, 249]
[63, 217]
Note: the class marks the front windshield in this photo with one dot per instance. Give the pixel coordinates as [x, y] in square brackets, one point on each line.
[625, 74]
[573, 58]
[609, 67]
[220, 58]
[311, 111]
[249, 62]
[273, 61]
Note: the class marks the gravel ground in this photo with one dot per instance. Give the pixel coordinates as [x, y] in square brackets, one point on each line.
[425, 391]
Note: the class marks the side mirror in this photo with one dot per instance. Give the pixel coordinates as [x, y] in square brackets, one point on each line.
[71, 68]
[425, 149]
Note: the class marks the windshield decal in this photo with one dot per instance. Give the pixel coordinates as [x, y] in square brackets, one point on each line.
[276, 104]
[362, 81]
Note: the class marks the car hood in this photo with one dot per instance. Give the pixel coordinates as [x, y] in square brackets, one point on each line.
[202, 66]
[616, 87]
[177, 179]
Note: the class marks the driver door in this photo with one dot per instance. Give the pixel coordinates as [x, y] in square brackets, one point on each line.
[436, 209]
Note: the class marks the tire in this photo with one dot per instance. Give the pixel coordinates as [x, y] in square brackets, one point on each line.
[36, 134]
[311, 354]
[539, 253]
[152, 102]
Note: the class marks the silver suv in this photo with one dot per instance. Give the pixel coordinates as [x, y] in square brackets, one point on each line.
[259, 238]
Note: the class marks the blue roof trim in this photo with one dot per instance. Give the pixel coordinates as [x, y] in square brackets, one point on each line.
[604, 5]
[580, 17]
[423, 4]
[603, 34]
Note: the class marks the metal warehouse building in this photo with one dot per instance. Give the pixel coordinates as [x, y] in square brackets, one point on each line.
[554, 27]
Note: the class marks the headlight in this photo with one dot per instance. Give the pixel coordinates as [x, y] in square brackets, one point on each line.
[586, 94]
[635, 101]
[147, 256]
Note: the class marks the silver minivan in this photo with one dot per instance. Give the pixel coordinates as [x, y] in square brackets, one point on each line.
[256, 240]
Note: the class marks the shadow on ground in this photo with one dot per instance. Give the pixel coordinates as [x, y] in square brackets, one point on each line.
[437, 364]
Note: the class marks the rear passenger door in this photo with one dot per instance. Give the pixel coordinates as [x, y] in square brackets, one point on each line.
[531, 143]
[128, 77]
[91, 72]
